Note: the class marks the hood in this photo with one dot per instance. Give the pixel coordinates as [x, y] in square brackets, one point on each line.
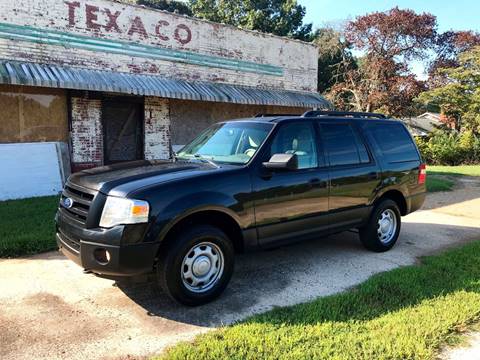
[133, 175]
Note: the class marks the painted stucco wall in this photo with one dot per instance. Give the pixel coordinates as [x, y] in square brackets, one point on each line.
[102, 34]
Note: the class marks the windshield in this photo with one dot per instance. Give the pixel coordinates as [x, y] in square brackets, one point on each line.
[232, 142]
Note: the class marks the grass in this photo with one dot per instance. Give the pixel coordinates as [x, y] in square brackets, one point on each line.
[407, 313]
[435, 184]
[463, 170]
[27, 226]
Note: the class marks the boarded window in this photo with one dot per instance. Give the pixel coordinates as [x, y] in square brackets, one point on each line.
[32, 114]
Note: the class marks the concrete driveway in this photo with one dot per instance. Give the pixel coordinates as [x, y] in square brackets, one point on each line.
[50, 309]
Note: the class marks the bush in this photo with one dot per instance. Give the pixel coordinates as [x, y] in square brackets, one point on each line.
[450, 148]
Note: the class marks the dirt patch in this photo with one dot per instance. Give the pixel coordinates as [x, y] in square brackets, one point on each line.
[46, 318]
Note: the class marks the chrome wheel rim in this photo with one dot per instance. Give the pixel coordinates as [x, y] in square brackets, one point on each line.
[387, 226]
[202, 267]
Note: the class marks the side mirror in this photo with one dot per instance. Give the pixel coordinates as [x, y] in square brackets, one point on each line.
[282, 162]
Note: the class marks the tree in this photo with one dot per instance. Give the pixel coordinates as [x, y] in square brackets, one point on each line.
[334, 52]
[279, 17]
[167, 5]
[381, 79]
[448, 46]
[459, 97]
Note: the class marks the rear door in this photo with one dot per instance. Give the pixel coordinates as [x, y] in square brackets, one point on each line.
[354, 174]
[397, 154]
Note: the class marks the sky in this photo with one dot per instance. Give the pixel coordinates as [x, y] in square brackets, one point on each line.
[451, 14]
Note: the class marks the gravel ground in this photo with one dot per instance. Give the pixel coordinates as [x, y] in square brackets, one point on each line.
[50, 309]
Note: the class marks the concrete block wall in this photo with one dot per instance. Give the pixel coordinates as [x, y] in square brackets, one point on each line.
[157, 128]
[86, 133]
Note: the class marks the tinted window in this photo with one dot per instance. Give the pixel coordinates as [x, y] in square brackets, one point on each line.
[297, 138]
[343, 145]
[394, 141]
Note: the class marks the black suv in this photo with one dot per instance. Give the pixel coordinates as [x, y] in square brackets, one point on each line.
[242, 185]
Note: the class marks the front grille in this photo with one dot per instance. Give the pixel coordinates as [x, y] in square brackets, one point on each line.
[73, 244]
[82, 200]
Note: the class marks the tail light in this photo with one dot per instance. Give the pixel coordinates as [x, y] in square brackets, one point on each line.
[422, 174]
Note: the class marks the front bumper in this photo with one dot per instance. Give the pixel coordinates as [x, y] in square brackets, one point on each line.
[79, 245]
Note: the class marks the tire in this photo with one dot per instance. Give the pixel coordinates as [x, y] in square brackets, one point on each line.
[382, 238]
[196, 266]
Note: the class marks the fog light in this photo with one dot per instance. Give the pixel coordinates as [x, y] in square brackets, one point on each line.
[102, 256]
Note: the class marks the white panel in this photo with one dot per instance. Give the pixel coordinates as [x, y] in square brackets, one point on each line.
[28, 170]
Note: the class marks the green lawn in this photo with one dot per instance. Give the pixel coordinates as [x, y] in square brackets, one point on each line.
[435, 183]
[27, 226]
[468, 170]
[406, 313]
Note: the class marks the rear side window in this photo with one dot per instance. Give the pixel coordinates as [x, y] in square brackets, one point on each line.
[343, 145]
[394, 142]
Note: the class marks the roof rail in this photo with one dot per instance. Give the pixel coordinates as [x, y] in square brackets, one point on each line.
[354, 114]
[272, 115]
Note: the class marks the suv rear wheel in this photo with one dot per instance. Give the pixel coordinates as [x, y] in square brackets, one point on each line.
[381, 232]
[197, 265]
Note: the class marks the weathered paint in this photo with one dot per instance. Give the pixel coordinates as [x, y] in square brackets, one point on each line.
[157, 128]
[30, 169]
[101, 34]
[86, 133]
[51, 37]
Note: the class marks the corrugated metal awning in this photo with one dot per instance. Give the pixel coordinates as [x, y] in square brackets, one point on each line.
[32, 74]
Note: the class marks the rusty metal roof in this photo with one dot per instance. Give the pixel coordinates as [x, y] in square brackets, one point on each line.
[53, 76]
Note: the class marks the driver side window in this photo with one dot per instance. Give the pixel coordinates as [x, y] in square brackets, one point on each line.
[299, 139]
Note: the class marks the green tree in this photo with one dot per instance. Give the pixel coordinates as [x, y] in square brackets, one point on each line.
[279, 17]
[459, 98]
[334, 58]
[167, 5]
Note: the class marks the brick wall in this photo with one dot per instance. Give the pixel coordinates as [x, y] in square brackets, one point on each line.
[157, 128]
[217, 52]
[86, 133]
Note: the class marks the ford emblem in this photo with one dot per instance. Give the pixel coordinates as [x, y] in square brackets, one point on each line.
[68, 203]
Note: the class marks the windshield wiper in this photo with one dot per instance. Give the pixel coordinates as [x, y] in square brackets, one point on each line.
[201, 157]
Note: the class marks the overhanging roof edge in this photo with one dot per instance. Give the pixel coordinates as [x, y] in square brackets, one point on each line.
[55, 76]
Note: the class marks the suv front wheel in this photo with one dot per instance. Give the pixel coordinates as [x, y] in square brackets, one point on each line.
[197, 265]
[382, 230]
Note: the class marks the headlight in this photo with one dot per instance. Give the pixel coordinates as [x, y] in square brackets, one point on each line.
[124, 211]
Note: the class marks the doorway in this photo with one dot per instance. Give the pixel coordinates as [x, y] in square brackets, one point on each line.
[122, 120]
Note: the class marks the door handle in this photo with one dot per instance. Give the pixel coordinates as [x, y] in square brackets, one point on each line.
[316, 182]
[373, 176]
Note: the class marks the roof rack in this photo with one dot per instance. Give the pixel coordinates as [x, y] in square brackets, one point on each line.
[354, 114]
[273, 115]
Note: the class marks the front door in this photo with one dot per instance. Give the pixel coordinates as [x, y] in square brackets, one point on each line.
[291, 204]
[123, 130]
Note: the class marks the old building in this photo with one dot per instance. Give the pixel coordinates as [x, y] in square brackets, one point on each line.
[103, 82]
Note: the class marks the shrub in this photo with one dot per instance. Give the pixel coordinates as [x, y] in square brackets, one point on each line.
[450, 148]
